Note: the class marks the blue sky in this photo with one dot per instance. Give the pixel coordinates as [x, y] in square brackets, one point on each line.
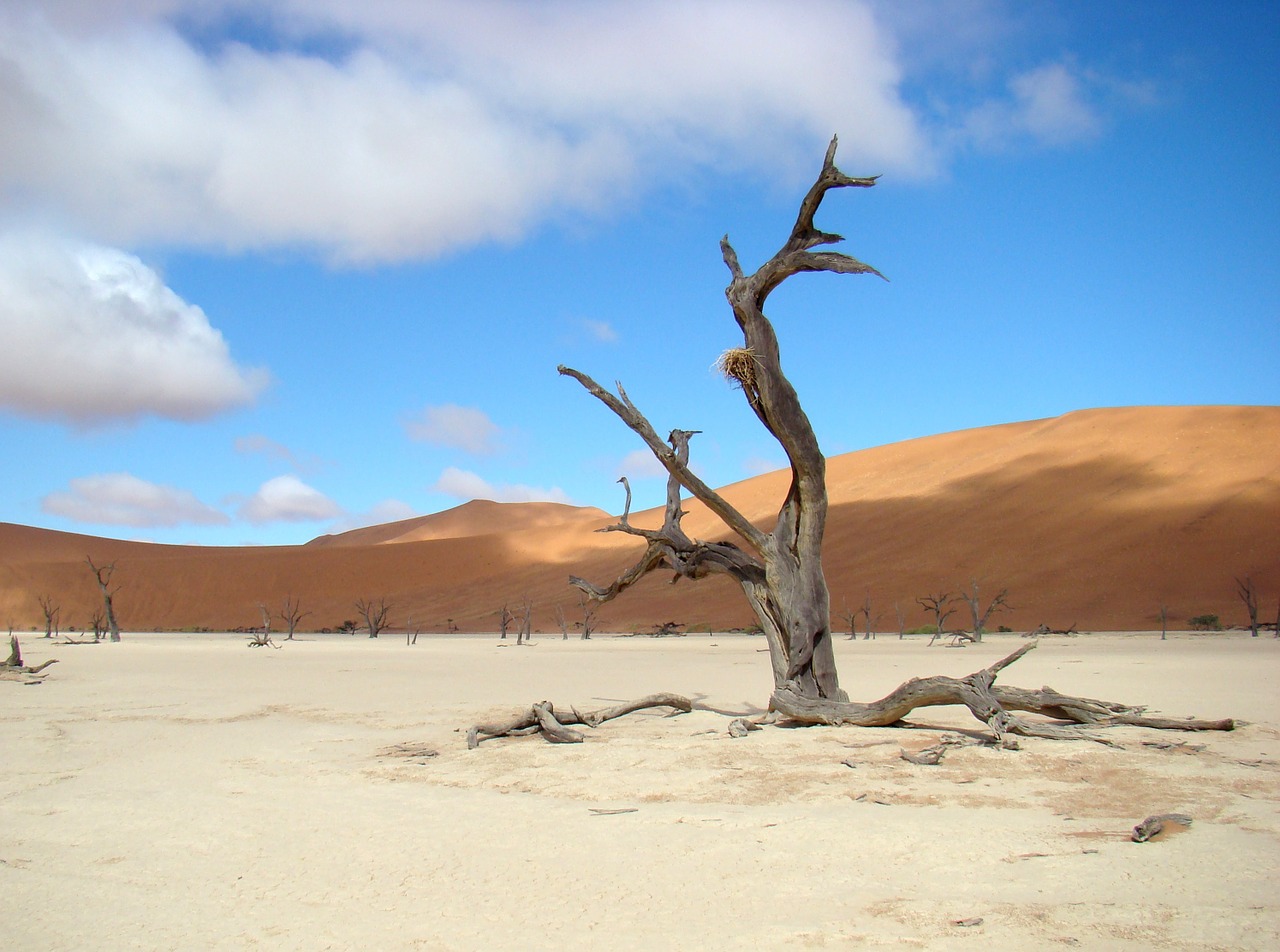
[275, 269]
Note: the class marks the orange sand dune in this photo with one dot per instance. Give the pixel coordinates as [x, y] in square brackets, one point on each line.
[1093, 518]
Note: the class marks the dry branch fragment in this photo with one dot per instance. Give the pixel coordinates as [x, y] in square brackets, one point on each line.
[542, 718]
[14, 670]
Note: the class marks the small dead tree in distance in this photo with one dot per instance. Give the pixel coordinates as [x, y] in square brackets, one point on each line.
[780, 571]
[291, 614]
[980, 617]
[51, 610]
[936, 605]
[1248, 592]
[103, 575]
[374, 614]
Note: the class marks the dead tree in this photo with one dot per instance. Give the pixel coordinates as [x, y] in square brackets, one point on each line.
[1248, 593]
[411, 631]
[504, 621]
[374, 614]
[1164, 621]
[980, 617]
[588, 607]
[562, 622]
[866, 617]
[266, 619]
[526, 622]
[780, 569]
[291, 614]
[103, 575]
[902, 620]
[51, 610]
[936, 605]
[850, 618]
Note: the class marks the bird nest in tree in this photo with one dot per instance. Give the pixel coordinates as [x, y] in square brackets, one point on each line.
[739, 365]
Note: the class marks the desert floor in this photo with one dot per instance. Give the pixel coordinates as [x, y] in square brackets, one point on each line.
[187, 792]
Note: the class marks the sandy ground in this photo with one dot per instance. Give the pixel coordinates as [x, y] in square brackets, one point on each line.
[186, 792]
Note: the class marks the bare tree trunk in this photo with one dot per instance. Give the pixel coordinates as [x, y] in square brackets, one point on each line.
[1248, 593]
[1164, 621]
[50, 609]
[902, 620]
[780, 571]
[103, 575]
[292, 614]
[374, 614]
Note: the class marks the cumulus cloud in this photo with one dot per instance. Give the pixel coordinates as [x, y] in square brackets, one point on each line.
[288, 499]
[465, 485]
[423, 127]
[120, 499]
[464, 428]
[90, 334]
[1049, 105]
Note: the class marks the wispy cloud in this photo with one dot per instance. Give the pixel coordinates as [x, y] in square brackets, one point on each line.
[121, 499]
[258, 444]
[464, 428]
[600, 331]
[639, 464]
[461, 484]
[288, 499]
[90, 334]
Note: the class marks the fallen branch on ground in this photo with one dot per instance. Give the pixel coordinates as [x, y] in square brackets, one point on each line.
[13, 669]
[990, 704]
[556, 727]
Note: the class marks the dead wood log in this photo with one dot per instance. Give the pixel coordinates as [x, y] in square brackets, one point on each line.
[990, 704]
[13, 669]
[543, 718]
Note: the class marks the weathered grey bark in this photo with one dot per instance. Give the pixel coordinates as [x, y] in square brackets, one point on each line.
[1248, 593]
[103, 575]
[780, 571]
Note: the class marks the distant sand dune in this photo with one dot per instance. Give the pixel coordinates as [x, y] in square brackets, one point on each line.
[1093, 518]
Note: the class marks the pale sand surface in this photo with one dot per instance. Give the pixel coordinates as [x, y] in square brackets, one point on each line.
[187, 792]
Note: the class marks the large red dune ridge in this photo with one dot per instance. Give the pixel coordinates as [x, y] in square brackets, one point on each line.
[1094, 519]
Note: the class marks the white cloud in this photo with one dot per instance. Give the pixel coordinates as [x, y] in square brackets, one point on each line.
[440, 125]
[639, 464]
[600, 331]
[1051, 105]
[90, 334]
[464, 428]
[120, 499]
[465, 485]
[1048, 105]
[288, 499]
